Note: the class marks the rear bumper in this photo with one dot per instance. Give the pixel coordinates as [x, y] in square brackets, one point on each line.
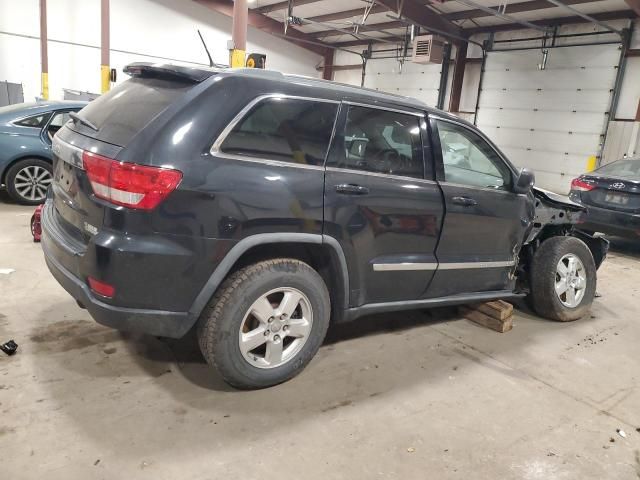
[153, 322]
[147, 270]
[611, 222]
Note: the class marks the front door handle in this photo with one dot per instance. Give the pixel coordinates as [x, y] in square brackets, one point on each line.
[464, 201]
[351, 189]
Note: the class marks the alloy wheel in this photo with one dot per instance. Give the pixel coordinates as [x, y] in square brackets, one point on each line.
[32, 182]
[571, 280]
[275, 328]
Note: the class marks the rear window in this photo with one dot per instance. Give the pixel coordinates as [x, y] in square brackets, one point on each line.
[622, 168]
[120, 114]
[34, 121]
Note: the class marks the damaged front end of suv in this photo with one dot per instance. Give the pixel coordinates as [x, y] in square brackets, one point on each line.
[556, 217]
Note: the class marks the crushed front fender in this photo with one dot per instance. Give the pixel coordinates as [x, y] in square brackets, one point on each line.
[557, 215]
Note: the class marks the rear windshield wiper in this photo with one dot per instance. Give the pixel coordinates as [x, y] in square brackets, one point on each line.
[84, 121]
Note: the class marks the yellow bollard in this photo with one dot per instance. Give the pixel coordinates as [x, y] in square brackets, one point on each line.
[237, 58]
[591, 163]
[105, 75]
[45, 85]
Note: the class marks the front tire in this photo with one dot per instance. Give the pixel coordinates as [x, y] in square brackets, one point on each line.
[28, 180]
[265, 323]
[563, 279]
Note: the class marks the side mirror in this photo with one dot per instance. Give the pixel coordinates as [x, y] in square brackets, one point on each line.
[524, 182]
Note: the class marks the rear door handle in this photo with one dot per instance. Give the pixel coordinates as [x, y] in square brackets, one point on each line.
[464, 201]
[351, 189]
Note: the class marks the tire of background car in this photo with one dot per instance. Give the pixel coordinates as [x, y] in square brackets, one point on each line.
[28, 165]
[238, 314]
[547, 274]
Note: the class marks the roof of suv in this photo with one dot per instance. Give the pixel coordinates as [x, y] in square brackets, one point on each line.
[330, 85]
[201, 73]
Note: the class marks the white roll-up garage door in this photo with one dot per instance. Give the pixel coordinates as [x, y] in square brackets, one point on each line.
[549, 120]
[416, 80]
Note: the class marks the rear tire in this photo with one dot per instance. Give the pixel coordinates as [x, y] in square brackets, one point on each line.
[28, 180]
[248, 307]
[551, 272]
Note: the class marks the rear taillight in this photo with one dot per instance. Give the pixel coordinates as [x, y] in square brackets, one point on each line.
[581, 186]
[101, 288]
[129, 184]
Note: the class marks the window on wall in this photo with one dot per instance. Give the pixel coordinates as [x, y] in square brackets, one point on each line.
[469, 160]
[34, 121]
[381, 141]
[284, 129]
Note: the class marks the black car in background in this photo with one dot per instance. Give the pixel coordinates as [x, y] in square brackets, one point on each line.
[612, 197]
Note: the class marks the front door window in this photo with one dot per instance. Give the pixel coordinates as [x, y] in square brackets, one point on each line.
[469, 160]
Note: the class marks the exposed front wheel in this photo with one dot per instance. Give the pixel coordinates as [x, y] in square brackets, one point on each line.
[563, 279]
[265, 323]
[28, 180]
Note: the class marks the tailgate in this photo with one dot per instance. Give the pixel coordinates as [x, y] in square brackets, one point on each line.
[77, 212]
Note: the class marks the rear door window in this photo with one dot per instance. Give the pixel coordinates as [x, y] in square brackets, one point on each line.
[123, 112]
[56, 123]
[284, 129]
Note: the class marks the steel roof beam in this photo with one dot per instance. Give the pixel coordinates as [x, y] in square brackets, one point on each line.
[510, 8]
[282, 6]
[615, 15]
[422, 16]
[331, 17]
[634, 5]
[589, 18]
[372, 27]
[269, 25]
[504, 16]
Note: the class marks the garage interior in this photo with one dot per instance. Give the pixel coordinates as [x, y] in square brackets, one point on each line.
[419, 394]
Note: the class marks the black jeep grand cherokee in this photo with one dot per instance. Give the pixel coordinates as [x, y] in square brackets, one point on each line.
[263, 206]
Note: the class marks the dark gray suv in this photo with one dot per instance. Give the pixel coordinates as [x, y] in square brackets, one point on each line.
[261, 207]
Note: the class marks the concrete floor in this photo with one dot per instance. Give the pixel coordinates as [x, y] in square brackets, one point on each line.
[420, 395]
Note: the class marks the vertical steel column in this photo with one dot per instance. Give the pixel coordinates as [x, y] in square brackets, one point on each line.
[615, 94]
[104, 46]
[458, 77]
[239, 33]
[366, 55]
[635, 134]
[327, 71]
[486, 46]
[444, 76]
[44, 52]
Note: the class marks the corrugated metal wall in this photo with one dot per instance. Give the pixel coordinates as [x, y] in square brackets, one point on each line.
[549, 120]
[10, 93]
[415, 80]
[619, 141]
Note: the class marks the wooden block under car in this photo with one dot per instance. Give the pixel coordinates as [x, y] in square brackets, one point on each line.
[480, 318]
[497, 309]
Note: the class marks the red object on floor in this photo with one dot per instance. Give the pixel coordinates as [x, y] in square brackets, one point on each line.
[36, 227]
